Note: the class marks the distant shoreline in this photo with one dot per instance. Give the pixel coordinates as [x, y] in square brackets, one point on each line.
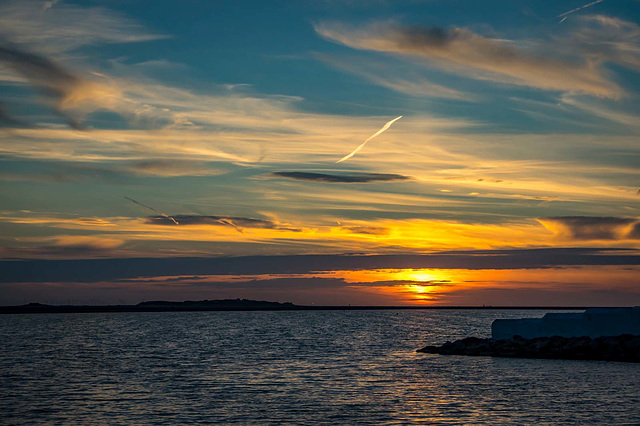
[67, 309]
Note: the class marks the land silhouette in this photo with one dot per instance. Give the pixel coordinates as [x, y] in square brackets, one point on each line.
[234, 305]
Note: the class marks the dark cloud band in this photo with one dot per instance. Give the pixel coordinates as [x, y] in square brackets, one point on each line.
[241, 222]
[97, 270]
[341, 178]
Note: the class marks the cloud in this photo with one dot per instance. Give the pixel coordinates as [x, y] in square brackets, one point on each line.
[385, 75]
[171, 168]
[97, 270]
[599, 109]
[115, 172]
[581, 285]
[367, 230]
[341, 178]
[50, 172]
[426, 226]
[49, 78]
[7, 121]
[464, 52]
[31, 33]
[74, 96]
[281, 283]
[225, 127]
[605, 39]
[67, 246]
[65, 27]
[234, 221]
[593, 227]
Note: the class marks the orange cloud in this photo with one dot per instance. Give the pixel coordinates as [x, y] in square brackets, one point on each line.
[375, 236]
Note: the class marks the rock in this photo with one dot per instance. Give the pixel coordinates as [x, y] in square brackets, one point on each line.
[625, 348]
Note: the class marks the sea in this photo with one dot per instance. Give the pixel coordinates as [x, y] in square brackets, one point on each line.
[292, 367]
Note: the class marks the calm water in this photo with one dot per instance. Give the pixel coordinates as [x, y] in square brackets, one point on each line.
[291, 367]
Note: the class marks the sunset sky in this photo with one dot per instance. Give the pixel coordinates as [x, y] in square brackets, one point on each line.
[188, 150]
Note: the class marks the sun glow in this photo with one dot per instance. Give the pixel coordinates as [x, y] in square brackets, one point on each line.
[420, 275]
[417, 285]
[420, 292]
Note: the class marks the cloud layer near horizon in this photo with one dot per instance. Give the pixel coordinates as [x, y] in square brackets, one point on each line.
[452, 278]
[95, 270]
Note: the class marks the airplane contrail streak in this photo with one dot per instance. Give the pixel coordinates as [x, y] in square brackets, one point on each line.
[354, 152]
[151, 208]
[231, 224]
[579, 8]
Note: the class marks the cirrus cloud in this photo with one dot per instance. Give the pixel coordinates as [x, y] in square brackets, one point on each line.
[594, 227]
[464, 52]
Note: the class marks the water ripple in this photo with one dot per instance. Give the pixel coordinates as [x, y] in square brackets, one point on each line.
[330, 367]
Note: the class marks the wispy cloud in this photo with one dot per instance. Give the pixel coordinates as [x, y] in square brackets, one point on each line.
[8, 121]
[42, 73]
[601, 109]
[66, 246]
[32, 33]
[54, 28]
[409, 82]
[602, 39]
[464, 52]
[172, 168]
[594, 228]
[291, 136]
[368, 230]
[341, 178]
[114, 172]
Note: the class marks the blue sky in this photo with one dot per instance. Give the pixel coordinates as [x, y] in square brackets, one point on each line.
[519, 130]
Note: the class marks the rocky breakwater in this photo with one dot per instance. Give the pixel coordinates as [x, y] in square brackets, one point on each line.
[625, 348]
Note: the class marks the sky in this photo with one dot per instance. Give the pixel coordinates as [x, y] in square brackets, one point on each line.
[202, 150]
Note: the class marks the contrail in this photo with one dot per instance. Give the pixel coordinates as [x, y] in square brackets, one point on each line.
[579, 8]
[263, 153]
[230, 223]
[151, 208]
[385, 127]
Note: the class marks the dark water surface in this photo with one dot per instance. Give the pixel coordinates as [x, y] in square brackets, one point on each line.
[339, 367]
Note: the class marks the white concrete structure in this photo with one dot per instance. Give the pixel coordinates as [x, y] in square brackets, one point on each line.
[594, 322]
